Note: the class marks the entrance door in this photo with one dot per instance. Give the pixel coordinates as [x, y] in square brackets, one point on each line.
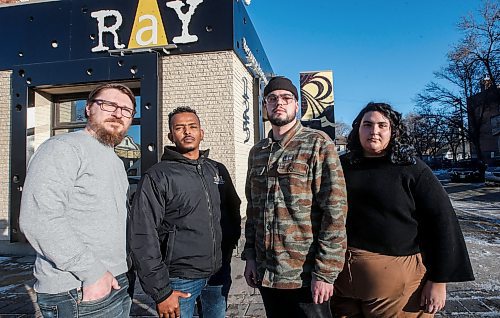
[49, 99]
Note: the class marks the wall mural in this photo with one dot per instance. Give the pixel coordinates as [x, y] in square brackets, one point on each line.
[317, 101]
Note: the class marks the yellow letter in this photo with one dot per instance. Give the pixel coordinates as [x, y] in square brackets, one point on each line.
[148, 27]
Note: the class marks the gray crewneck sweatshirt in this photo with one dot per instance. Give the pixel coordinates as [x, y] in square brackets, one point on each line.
[73, 212]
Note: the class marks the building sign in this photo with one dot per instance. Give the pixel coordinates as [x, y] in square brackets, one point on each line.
[56, 31]
[148, 28]
[317, 102]
[253, 63]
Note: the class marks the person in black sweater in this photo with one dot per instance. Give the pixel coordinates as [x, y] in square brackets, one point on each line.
[404, 240]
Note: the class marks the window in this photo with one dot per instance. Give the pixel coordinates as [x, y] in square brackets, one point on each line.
[58, 111]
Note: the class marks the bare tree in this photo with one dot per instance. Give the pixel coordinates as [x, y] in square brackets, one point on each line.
[482, 40]
[475, 58]
[342, 129]
[427, 133]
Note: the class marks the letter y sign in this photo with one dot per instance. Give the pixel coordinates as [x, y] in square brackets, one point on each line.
[185, 19]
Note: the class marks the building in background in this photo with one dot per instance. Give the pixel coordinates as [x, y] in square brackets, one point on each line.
[199, 53]
[483, 112]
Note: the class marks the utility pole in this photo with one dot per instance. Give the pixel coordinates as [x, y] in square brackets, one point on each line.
[458, 103]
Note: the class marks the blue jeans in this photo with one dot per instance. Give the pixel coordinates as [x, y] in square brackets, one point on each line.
[70, 304]
[192, 286]
[213, 302]
[213, 297]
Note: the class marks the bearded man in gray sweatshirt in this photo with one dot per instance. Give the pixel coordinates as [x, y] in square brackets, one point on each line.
[73, 212]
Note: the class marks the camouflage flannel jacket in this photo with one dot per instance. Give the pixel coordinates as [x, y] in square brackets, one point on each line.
[296, 211]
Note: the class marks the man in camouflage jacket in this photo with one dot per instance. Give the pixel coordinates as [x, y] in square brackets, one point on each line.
[297, 205]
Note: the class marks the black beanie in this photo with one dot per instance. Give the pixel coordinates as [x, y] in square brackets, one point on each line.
[281, 82]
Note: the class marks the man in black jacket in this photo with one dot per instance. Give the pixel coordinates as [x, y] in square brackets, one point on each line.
[175, 223]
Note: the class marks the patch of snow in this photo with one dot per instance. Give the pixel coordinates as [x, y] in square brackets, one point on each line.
[5, 258]
[4, 289]
[479, 241]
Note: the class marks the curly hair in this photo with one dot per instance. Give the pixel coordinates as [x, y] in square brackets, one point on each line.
[399, 150]
[181, 109]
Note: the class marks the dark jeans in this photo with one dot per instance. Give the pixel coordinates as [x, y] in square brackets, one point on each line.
[69, 304]
[297, 303]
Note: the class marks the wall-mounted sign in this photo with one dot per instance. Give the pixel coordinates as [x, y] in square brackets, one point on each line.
[317, 103]
[148, 28]
[252, 63]
[55, 31]
[316, 91]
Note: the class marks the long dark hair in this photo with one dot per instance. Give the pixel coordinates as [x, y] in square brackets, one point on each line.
[398, 151]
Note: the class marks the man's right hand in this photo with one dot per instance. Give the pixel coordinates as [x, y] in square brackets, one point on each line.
[170, 308]
[101, 288]
[251, 274]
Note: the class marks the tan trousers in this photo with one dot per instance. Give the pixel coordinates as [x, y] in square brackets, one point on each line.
[375, 285]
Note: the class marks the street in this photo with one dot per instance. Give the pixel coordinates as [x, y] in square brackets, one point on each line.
[478, 209]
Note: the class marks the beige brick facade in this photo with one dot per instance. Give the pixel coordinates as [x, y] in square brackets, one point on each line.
[244, 118]
[5, 100]
[214, 85]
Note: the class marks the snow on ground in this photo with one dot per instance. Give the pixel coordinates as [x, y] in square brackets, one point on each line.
[480, 222]
[4, 289]
[5, 259]
[488, 210]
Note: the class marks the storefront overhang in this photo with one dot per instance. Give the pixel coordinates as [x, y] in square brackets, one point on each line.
[68, 30]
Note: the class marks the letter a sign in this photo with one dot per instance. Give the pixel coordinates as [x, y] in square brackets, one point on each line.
[148, 27]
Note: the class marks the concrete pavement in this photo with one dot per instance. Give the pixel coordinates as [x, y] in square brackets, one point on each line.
[471, 299]
[17, 298]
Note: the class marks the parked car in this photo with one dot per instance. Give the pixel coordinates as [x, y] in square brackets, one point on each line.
[438, 163]
[468, 171]
[492, 173]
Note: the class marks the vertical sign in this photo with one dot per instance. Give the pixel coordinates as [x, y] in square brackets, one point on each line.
[316, 91]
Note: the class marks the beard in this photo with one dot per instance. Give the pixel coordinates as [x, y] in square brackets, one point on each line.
[276, 121]
[106, 137]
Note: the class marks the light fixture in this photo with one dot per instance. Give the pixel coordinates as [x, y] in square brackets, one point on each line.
[165, 50]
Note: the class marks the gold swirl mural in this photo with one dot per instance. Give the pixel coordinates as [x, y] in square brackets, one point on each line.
[317, 100]
[316, 90]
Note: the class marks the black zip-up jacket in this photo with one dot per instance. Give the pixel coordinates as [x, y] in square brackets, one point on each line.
[175, 221]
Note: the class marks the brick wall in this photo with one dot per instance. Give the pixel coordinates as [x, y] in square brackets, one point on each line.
[5, 107]
[212, 83]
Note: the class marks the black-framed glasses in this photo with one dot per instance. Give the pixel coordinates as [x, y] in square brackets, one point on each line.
[111, 107]
[273, 99]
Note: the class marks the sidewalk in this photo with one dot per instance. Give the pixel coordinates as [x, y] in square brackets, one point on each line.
[17, 298]
[479, 214]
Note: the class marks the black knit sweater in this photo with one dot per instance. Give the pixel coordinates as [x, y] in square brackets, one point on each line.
[401, 210]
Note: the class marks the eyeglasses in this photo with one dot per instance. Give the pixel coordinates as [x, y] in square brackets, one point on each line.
[273, 99]
[111, 107]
